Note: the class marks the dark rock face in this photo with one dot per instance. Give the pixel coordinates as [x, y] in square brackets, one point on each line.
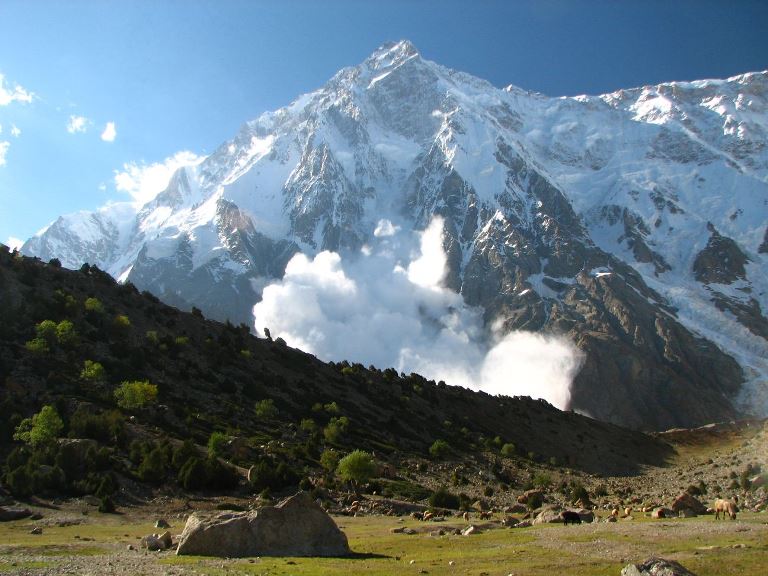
[721, 261]
[295, 527]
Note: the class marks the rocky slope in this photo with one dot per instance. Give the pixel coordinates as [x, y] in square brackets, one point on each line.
[633, 222]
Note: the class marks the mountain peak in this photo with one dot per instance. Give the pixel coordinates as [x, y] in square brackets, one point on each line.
[391, 54]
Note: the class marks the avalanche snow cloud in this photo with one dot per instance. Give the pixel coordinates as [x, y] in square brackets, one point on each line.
[372, 308]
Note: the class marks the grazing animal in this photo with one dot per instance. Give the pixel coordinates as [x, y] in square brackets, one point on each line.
[485, 515]
[465, 516]
[726, 507]
[569, 516]
[615, 512]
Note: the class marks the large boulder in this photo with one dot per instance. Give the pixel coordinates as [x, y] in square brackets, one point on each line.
[549, 515]
[688, 502]
[295, 527]
[656, 567]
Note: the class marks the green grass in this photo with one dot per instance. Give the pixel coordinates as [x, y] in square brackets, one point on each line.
[591, 549]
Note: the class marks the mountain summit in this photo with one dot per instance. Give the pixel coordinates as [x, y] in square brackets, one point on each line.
[634, 223]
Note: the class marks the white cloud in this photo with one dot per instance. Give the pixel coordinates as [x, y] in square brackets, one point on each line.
[378, 310]
[4, 145]
[15, 132]
[110, 132]
[145, 181]
[77, 124]
[13, 93]
[14, 243]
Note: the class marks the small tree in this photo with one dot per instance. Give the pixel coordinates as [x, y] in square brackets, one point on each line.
[135, 395]
[66, 334]
[439, 449]
[94, 306]
[42, 428]
[216, 444]
[508, 450]
[329, 459]
[357, 467]
[92, 371]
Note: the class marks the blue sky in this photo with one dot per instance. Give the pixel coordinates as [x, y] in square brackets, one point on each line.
[173, 76]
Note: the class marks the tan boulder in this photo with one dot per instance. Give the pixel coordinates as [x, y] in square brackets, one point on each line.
[297, 526]
[688, 502]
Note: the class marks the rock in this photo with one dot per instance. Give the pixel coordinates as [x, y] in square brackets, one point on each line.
[9, 514]
[687, 513]
[161, 523]
[586, 516]
[130, 547]
[611, 519]
[152, 543]
[662, 512]
[656, 567]
[166, 539]
[549, 515]
[295, 527]
[524, 524]
[516, 509]
[688, 502]
[523, 498]
[36, 530]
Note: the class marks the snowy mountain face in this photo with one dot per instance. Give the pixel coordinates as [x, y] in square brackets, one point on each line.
[634, 223]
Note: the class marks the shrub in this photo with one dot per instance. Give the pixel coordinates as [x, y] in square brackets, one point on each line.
[136, 394]
[329, 459]
[42, 428]
[535, 500]
[66, 334]
[216, 444]
[578, 492]
[92, 371]
[192, 475]
[357, 466]
[508, 450]
[265, 409]
[94, 306]
[183, 453]
[47, 331]
[154, 466]
[542, 480]
[335, 429]
[439, 449]
[441, 498]
[106, 505]
[308, 425]
[265, 475]
[38, 346]
[106, 427]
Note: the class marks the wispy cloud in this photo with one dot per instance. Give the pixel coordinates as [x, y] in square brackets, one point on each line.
[77, 124]
[145, 181]
[110, 132]
[15, 132]
[13, 93]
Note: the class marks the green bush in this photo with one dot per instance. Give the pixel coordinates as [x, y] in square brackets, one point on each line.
[192, 475]
[357, 466]
[216, 444]
[154, 466]
[66, 335]
[135, 395]
[93, 372]
[94, 306]
[43, 427]
[38, 346]
[508, 450]
[106, 427]
[183, 453]
[266, 475]
[265, 409]
[441, 498]
[542, 480]
[439, 449]
[329, 459]
[578, 492]
[335, 429]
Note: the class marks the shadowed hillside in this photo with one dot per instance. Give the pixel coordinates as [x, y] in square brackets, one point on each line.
[83, 344]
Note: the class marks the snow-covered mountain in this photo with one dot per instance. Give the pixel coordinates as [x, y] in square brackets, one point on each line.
[632, 222]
